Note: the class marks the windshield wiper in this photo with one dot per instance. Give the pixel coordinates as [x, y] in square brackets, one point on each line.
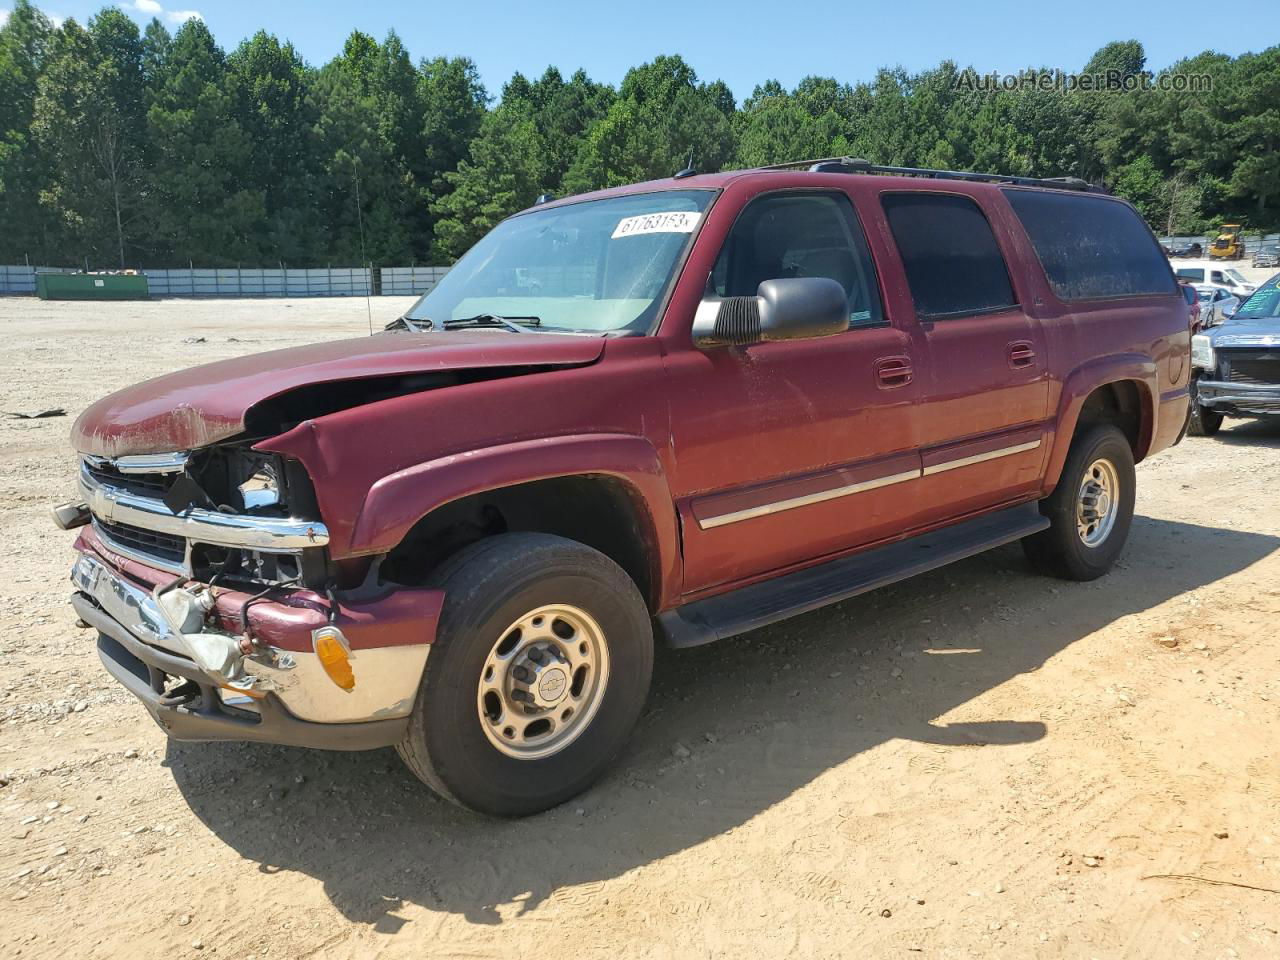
[514, 324]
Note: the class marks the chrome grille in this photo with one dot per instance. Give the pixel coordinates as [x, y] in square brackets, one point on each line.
[125, 498]
[147, 544]
[147, 484]
[1251, 366]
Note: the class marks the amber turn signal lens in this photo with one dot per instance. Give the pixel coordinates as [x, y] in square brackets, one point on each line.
[335, 656]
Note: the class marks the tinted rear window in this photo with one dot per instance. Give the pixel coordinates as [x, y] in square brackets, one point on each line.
[949, 253]
[1090, 246]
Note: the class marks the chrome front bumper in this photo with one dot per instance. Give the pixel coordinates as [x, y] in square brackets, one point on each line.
[1249, 399]
[277, 695]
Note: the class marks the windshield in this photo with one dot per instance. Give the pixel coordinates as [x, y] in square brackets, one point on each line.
[1263, 304]
[1235, 275]
[595, 266]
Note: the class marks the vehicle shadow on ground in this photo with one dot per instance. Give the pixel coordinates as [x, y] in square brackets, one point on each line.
[733, 728]
[1250, 433]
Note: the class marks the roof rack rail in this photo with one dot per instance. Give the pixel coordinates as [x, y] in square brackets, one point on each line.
[858, 165]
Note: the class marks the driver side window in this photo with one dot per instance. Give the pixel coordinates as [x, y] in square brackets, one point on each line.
[784, 235]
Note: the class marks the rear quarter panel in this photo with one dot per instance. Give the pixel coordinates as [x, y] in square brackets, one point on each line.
[1142, 339]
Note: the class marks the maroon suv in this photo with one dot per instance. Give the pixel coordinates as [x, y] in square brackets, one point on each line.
[674, 411]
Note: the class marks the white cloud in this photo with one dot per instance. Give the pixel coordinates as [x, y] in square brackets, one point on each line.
[4, 17]
[152, 8]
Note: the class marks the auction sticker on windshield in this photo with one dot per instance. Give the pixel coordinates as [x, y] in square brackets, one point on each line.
[676, 221]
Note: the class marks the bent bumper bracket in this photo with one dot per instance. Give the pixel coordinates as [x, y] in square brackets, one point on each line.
[140, 668]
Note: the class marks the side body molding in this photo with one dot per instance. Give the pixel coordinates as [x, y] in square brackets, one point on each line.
[1134, 367]
[398, 501]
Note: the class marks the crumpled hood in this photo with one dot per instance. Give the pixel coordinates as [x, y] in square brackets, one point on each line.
[202, 405]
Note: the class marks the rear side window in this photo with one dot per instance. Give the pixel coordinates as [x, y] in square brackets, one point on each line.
[1092, 247]
[952, 263]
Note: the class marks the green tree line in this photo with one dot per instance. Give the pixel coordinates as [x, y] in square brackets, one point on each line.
[130, 147]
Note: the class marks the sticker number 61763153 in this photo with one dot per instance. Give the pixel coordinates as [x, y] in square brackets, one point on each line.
[676, 221]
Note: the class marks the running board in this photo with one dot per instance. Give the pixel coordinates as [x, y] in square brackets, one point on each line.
[761, 604]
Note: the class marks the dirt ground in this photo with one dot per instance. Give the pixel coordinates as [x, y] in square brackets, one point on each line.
[976, 763]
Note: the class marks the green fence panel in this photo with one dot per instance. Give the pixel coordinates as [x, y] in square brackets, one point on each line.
[88, 286]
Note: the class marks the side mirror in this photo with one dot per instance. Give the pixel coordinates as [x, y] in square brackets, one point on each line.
[796, 308]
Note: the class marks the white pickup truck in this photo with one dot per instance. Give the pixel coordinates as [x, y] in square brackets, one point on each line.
[1229, 277]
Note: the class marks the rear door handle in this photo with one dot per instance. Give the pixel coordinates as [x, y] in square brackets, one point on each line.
[893, 372]
[1021, 354]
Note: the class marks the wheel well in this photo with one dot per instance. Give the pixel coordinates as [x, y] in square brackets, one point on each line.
[599, 511]
[1118, 403]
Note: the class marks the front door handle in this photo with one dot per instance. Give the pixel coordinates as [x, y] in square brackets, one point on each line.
[893, 372]
[1021, 354]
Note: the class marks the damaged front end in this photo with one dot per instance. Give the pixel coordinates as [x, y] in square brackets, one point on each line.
[224, 512]
[207, 577]
[221, 597]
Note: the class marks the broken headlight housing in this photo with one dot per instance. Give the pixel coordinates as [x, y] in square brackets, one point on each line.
[240, 480]
[262, 490]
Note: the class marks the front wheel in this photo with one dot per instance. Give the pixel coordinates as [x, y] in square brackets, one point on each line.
[539, 671]
[1090, 510]
[1204, 422]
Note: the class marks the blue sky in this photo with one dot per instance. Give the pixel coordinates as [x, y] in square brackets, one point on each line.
[742, 42]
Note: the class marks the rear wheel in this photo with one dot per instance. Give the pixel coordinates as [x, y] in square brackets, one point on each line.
[539, 671]
[1090, 510]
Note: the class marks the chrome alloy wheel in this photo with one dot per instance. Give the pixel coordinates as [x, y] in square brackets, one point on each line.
[1098, 502]
[543, 681]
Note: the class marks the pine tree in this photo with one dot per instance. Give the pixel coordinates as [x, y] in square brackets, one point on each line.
[202, 211]
[88, 123]
[661, 119]
[453, 105]
[365, 105]
[24, 43]
[270, 86]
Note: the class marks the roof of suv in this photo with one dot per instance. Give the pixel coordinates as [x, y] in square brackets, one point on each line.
[832, 175]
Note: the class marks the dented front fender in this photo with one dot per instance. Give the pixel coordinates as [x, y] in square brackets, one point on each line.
[398, 501]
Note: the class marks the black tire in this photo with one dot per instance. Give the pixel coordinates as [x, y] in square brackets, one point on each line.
[489, 586]
[1060, 550]
[1203, 423]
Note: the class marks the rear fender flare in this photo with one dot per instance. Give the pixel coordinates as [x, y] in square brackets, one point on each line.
[1133, 367]
[398, 501]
